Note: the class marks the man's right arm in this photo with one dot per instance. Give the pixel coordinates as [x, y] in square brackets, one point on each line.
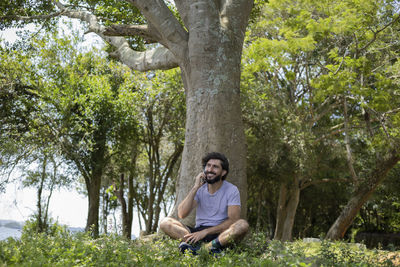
[186, 206]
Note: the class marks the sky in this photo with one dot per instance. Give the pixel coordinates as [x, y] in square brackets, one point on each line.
[66, 206]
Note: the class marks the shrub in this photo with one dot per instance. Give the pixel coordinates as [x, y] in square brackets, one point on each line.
[63, 248]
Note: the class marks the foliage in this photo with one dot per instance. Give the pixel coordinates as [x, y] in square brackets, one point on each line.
[320, 82]
[82, 111]
[381, 212]
[62, 248]
[161, 127]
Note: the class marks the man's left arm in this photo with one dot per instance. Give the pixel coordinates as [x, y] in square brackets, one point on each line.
[233, 216]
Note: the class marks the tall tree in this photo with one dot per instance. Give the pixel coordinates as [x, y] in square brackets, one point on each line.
[204, 38]
[325, 79]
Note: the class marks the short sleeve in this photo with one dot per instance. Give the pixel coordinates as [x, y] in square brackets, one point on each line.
[234, 197]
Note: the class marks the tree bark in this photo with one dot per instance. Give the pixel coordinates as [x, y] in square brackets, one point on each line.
[289, 197]
[92, 223]
[40, 221]
[361, 195]
[211, 75]
[126, 209]
[93, 184]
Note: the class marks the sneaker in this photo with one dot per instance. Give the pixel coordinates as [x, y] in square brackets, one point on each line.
[183, 246]
[215, 251]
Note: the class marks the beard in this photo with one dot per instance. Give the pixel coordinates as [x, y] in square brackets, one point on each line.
[213, 180]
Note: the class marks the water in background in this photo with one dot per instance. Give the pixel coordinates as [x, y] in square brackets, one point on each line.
[9, 228]
[6, 232]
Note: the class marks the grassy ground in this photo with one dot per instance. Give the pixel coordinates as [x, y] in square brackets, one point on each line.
[61, 248]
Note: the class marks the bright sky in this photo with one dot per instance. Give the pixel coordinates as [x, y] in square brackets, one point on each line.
[67, 207]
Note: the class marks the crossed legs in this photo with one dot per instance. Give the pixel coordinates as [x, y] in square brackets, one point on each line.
[177, 230]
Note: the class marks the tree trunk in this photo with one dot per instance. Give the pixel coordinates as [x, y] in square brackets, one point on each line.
[98, 163]
[211, 75]
[360, 196]
[92, 223]
[129, 219]
[105, 211]
[289, 197]
[126, 209]
[40, 221]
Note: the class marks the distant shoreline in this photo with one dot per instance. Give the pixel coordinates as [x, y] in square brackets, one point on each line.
[11, 228]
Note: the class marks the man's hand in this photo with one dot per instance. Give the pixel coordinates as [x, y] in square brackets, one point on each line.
[188, 204]
[200, 180]
[195, 237]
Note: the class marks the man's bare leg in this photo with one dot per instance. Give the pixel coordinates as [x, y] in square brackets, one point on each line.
[174, 228]
[235, 232]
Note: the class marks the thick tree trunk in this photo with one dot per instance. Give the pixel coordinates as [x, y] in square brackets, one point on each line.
[211, 75]
[289, 197]
[360, 196]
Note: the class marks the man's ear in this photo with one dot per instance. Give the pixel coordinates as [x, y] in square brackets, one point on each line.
[223, 173]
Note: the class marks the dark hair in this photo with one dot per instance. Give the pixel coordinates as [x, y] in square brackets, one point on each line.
[221, 157]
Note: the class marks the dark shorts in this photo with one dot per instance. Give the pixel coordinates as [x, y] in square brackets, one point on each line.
[208, 238]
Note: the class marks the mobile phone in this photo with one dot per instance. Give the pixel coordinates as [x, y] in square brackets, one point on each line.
[204, 178]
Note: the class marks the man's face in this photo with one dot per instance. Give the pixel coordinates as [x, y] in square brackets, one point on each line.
[214, 171]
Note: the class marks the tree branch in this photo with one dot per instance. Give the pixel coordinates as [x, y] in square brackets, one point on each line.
[173, 35]
[158, 58]
[29, 18]
[350, 160]
[183, 8]
[234, 16]
[132, 30]
[322, 181]
[379, 31]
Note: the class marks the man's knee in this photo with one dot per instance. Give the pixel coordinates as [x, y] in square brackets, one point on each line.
[241, 227]
[166, 224]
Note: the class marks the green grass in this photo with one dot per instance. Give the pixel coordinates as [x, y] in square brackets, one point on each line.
[61, 248]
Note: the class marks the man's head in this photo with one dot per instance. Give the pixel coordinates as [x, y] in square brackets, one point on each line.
[216, 164]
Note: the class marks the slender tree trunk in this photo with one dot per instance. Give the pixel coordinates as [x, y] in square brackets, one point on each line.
[105, 212]
[361, 195]
[92, 223]
[289, 197]
[46, 209]
[40, 222]
[128, 227]
[126, 209]
[93, 184]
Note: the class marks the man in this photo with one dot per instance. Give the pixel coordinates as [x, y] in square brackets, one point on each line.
[217, 204]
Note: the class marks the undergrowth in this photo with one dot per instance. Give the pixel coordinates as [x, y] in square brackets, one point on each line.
[62, 248]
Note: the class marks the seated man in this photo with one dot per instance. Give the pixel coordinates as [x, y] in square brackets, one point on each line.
[218, 220]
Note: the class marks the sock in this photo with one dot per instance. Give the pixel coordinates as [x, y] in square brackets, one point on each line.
[215, 243]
